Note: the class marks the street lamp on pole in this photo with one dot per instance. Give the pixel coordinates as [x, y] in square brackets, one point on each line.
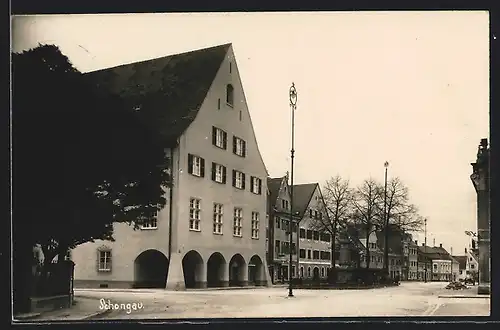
[386, 223]
[293, 105]
[425, 250]
[451, 267]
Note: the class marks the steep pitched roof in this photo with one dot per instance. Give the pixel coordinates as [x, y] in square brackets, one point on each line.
[174, 86]
[395, 244]
[302, 194]
[274, 185]
[462, 261]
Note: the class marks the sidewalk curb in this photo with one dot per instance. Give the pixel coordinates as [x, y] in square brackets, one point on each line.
[96, 314]
[30, 316]
[465, 296]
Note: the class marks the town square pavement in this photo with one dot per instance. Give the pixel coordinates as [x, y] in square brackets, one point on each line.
[408, 299]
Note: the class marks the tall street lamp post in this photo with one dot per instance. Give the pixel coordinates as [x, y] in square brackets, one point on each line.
[425, 250]
[386, 223]
[451, 267]
[293, 106]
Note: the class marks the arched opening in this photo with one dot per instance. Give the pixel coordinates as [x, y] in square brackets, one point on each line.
[316, 273]
[301, 271]
[192, 267]
[237, 270]
[230, 94]
[150, 270]
[256, 275]
[216, 267]
[322, 271]
[308, 271]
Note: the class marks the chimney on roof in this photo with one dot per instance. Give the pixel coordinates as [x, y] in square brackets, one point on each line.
[440, 245]
[466, 250]
[423, 244]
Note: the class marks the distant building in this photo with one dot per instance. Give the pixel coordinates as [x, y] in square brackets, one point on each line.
[315, 246]
[279, 206]
[412, 261]
[443, 266]
[462, 266]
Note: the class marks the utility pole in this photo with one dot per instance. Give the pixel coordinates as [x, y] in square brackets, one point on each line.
[386, 223]
[293, 106]
[425, 250]
[451, 267]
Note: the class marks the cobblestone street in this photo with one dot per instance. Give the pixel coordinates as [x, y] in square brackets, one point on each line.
[409, 299]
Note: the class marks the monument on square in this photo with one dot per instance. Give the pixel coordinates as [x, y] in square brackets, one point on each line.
[481, 180]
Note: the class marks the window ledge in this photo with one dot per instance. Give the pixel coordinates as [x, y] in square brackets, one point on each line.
[196, 175]
[230, 105]
[256, 238]
[104, 270]
[195, 230]
[239, 188]
[220, 234]
[242, 156]
[219, 182]
[219, 147]
[149, 228]
[239, 236]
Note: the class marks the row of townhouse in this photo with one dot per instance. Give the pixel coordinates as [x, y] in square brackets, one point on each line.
[310, 248]
[436, 264]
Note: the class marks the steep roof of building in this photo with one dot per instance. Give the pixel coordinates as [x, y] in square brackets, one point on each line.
[302, 194]
[462, 261]
[173, 87]
[395, 243]
[274, 185]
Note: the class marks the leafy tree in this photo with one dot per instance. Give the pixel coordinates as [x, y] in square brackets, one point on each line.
[81, 159]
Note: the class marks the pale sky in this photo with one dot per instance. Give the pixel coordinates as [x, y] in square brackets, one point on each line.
[411, 88]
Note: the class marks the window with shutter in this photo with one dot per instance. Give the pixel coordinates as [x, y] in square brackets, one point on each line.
[255, 184]
[218, 173]
[239, 146]
[202, 167]
[238, 179]
[196, 165]
[190, 164]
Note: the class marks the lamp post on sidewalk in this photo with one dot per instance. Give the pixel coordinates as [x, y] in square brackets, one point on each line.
[293, 105]
[386, 223]
[425, 250]
[451, 267]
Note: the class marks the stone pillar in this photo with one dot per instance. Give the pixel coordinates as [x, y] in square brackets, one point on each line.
[201, 275]
[480, 178]
[175, 278]
[243, 278]
[266, 276]
[224, 275]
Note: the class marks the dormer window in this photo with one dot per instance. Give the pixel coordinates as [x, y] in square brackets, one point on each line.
[230, 95]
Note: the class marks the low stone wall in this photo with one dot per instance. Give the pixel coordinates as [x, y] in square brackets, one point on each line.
[44, 304]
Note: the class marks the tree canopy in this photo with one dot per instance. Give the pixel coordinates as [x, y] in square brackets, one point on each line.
[81, 159]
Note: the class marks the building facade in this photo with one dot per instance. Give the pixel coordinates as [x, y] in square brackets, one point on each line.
[481, 180]
[412, 272]
[315, 248]
[376, 252]
[211, 231]
[278, 256]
